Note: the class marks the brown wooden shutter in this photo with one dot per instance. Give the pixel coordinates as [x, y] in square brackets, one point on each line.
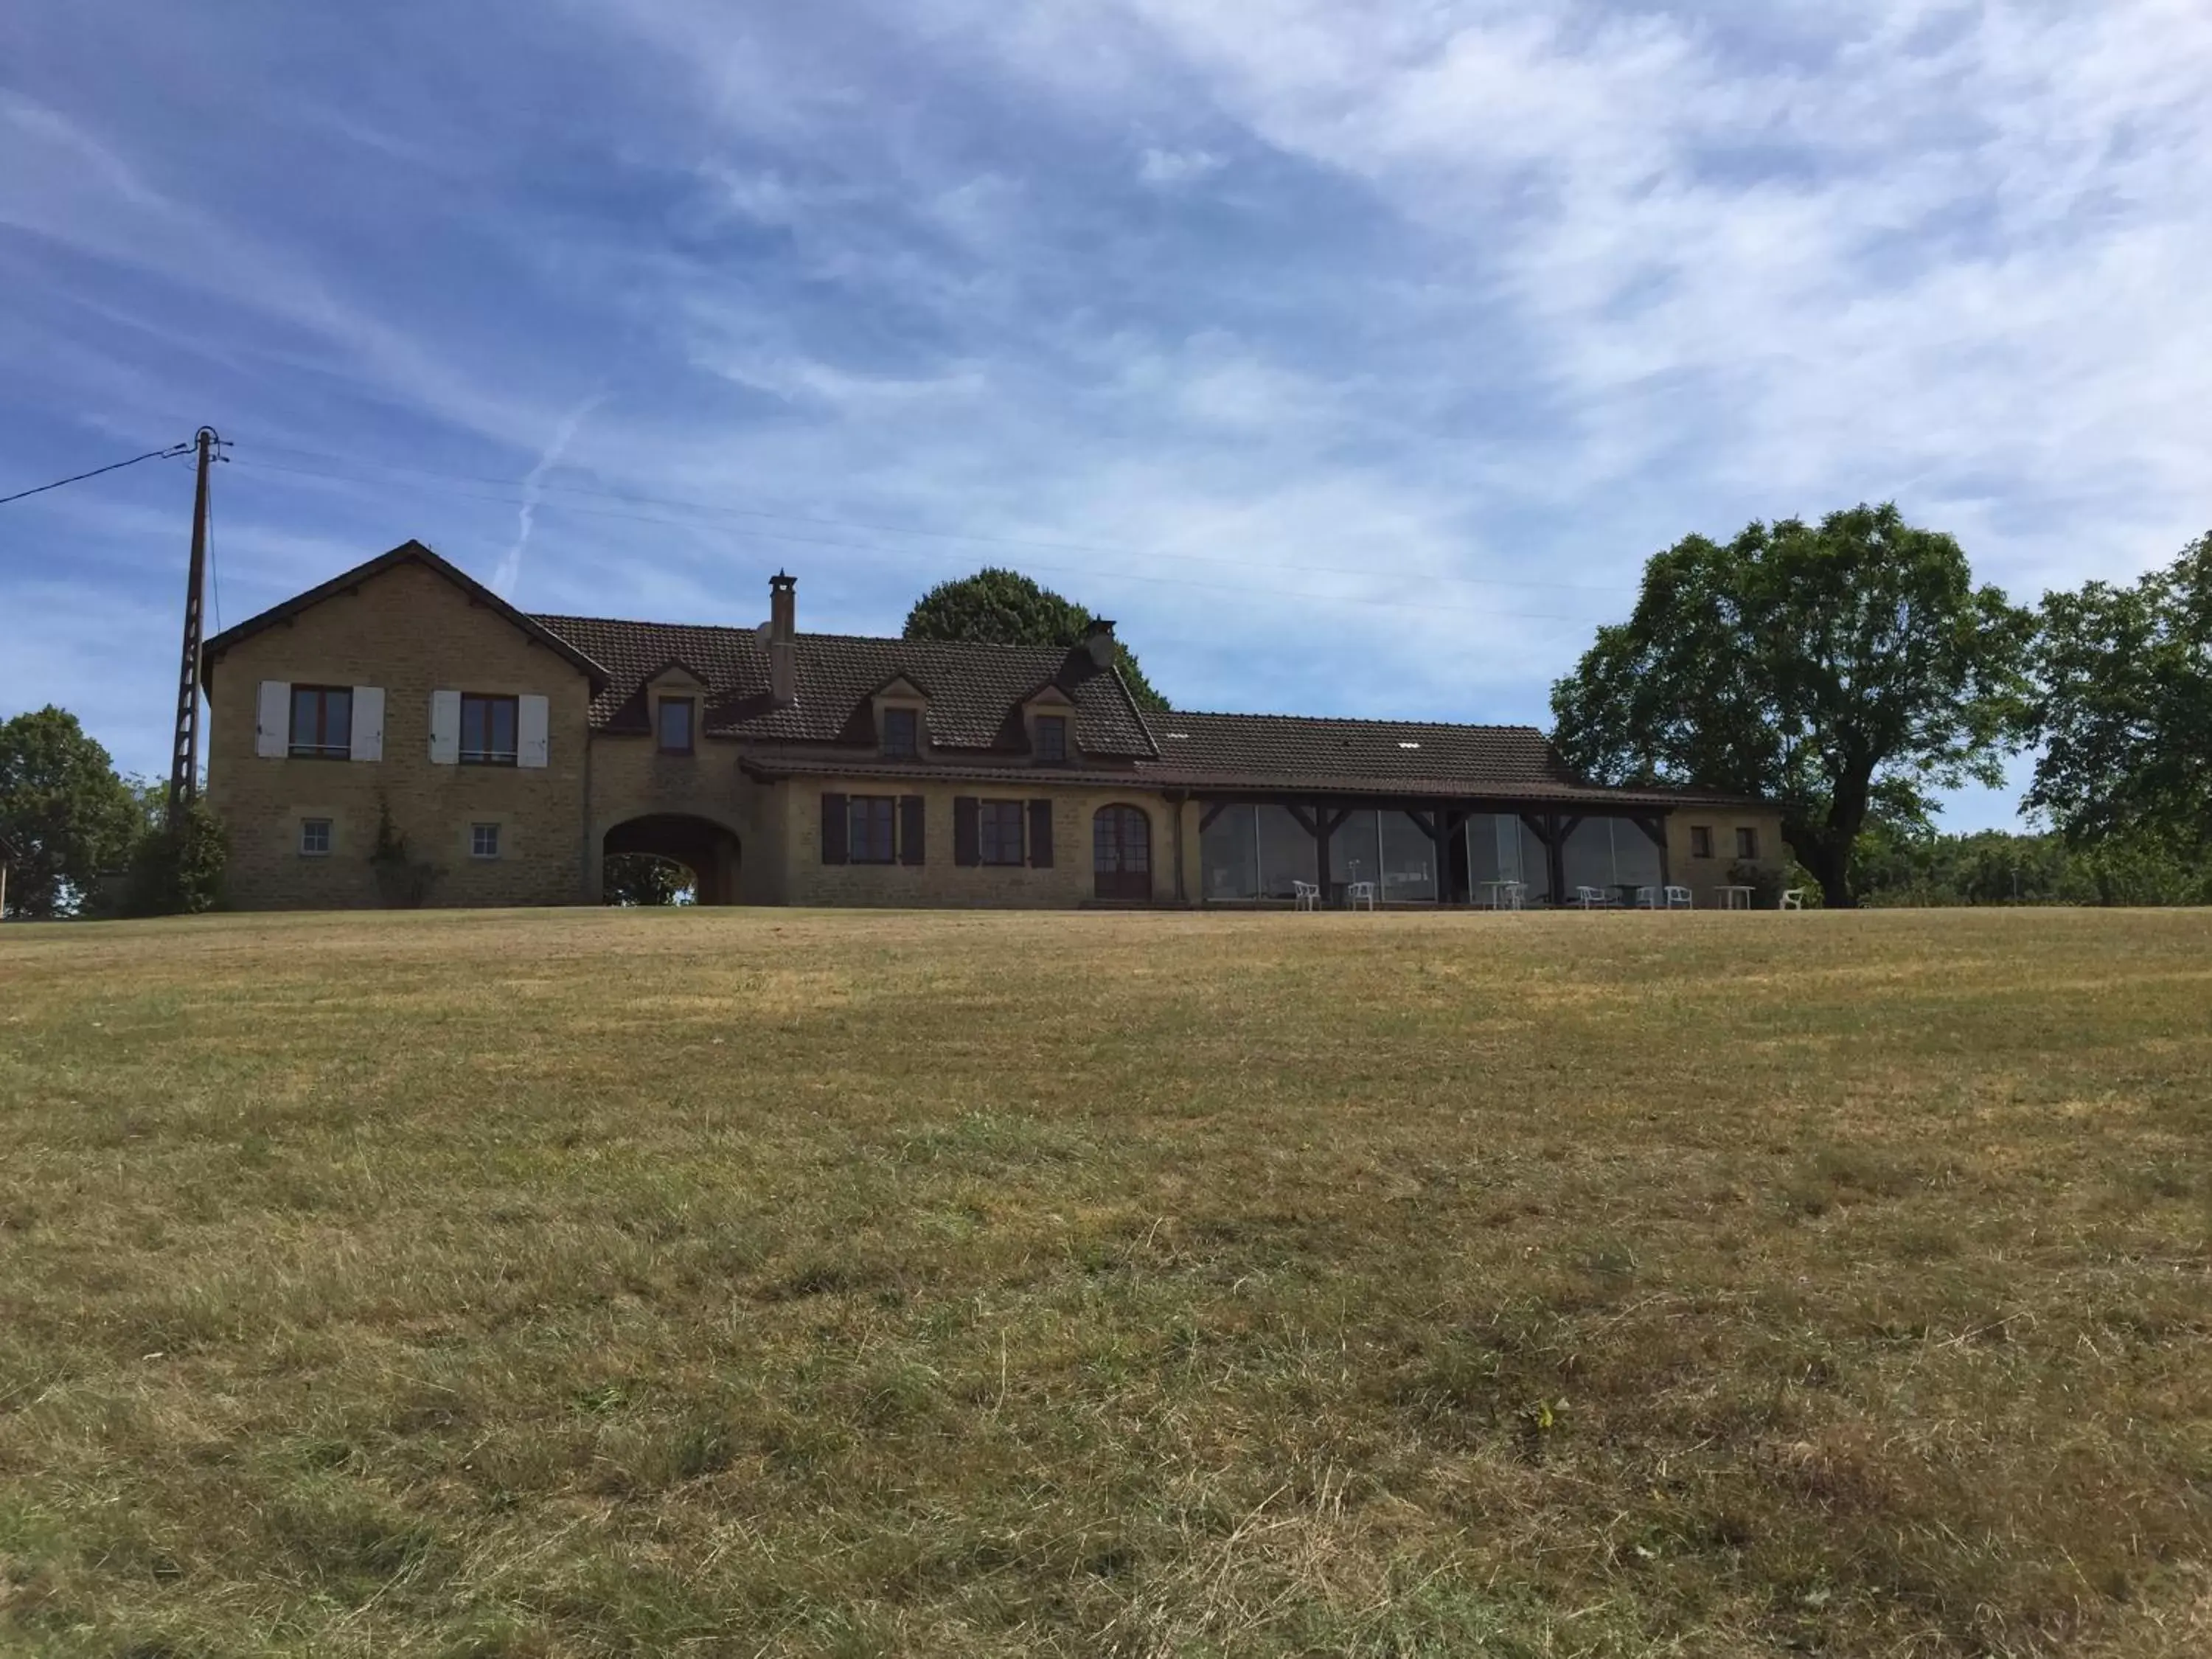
[911, 830]
[1039, 834]
[837, 828]
[967, 843]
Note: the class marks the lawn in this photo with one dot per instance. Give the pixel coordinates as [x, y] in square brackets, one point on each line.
[784, 1283]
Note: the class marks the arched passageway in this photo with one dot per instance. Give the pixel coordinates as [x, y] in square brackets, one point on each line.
[701, 846]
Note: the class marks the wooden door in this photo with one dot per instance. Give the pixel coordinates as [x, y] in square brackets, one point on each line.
[1122, 854]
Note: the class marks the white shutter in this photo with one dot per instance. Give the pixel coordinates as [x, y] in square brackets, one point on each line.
[445, 728]
[368, 722]
[272, 719]
[532, 731]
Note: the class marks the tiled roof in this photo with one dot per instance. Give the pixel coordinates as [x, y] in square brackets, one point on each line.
[1514, 756]
[1421, 758]
[976, 691]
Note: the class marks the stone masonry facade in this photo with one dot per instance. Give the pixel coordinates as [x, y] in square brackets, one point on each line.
[413, 628]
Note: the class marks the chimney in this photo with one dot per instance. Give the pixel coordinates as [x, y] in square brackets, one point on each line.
[1098, 641]
[782, 633]
[783, 606]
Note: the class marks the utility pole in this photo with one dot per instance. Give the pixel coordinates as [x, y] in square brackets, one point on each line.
[184, 772]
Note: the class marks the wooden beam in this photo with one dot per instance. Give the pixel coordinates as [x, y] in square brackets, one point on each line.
[1214, 809]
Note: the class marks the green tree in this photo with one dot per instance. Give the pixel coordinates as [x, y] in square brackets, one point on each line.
[1843, 670]
[70, 816]
[178, 871]
[643, 879]
[1004, 607]
[2123, 708]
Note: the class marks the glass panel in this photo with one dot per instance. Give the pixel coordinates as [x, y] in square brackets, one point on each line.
[1229, 851]
[306, 718]
[502, 725]
[1136, 841]
[1589, 857]
[1354, 853]
[1286, 852]
[1409, 860]
[900, 736]
[676, 724]
[1052, 736]
[1535, 863]
[1635, 856]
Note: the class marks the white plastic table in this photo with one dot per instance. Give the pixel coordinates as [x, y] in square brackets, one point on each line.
[1504, 895]
[1734, 898]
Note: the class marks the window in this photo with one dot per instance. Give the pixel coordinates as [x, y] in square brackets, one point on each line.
[487, 730]
[484, 841]
[998, 831]
[1701, 840]
[322, 722]
[901, 732]
[1747, 843]
[869, 837]
[314, 837]
[676, 714]
[1052, 736]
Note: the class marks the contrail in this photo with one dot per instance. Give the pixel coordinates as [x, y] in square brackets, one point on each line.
[510, 565]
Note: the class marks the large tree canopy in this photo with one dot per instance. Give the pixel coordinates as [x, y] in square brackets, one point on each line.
[62, 806]
[1835, 669]
[2123, 706]
[1004, 607]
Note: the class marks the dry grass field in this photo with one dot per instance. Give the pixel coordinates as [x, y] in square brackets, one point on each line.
[776, 1283]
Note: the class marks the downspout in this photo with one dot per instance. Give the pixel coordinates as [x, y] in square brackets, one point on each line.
[1179, 800]
[584, 830]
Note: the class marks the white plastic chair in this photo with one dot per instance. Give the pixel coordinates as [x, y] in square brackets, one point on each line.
[1590, 898]
[1678, 898]
[1357, 893]
[1305, 895]
[1647, 898]
[1794, 899]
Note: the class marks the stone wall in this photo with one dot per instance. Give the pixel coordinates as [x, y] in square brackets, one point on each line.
[796, 809]
[1703, 876]
[411, 632]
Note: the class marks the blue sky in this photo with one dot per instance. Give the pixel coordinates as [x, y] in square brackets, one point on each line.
[1353, 356]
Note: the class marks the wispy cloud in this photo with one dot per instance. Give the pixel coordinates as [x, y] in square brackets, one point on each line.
[508, 571]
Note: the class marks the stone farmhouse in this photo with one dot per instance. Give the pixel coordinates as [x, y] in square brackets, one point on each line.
[401, 735]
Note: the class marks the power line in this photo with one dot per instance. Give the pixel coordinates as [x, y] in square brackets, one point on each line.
[173, 450]
[636, 499]
[1244, 591]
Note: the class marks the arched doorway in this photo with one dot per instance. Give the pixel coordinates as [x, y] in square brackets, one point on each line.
[701, 846]
[1122, 854]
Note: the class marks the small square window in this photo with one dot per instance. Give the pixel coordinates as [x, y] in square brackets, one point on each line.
[1701, 840]
[314, 837]
[901, 732]
[1052, 736]
[1747, 843]
[676, 723]
[484, 841]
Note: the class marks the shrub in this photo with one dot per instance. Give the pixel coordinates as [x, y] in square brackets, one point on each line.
[179, 872]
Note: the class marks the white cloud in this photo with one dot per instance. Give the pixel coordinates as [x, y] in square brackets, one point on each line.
[1178, 167]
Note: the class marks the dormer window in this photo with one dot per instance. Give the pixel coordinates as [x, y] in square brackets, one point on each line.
[903, 733]
[1052, 738]
[677, 720]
